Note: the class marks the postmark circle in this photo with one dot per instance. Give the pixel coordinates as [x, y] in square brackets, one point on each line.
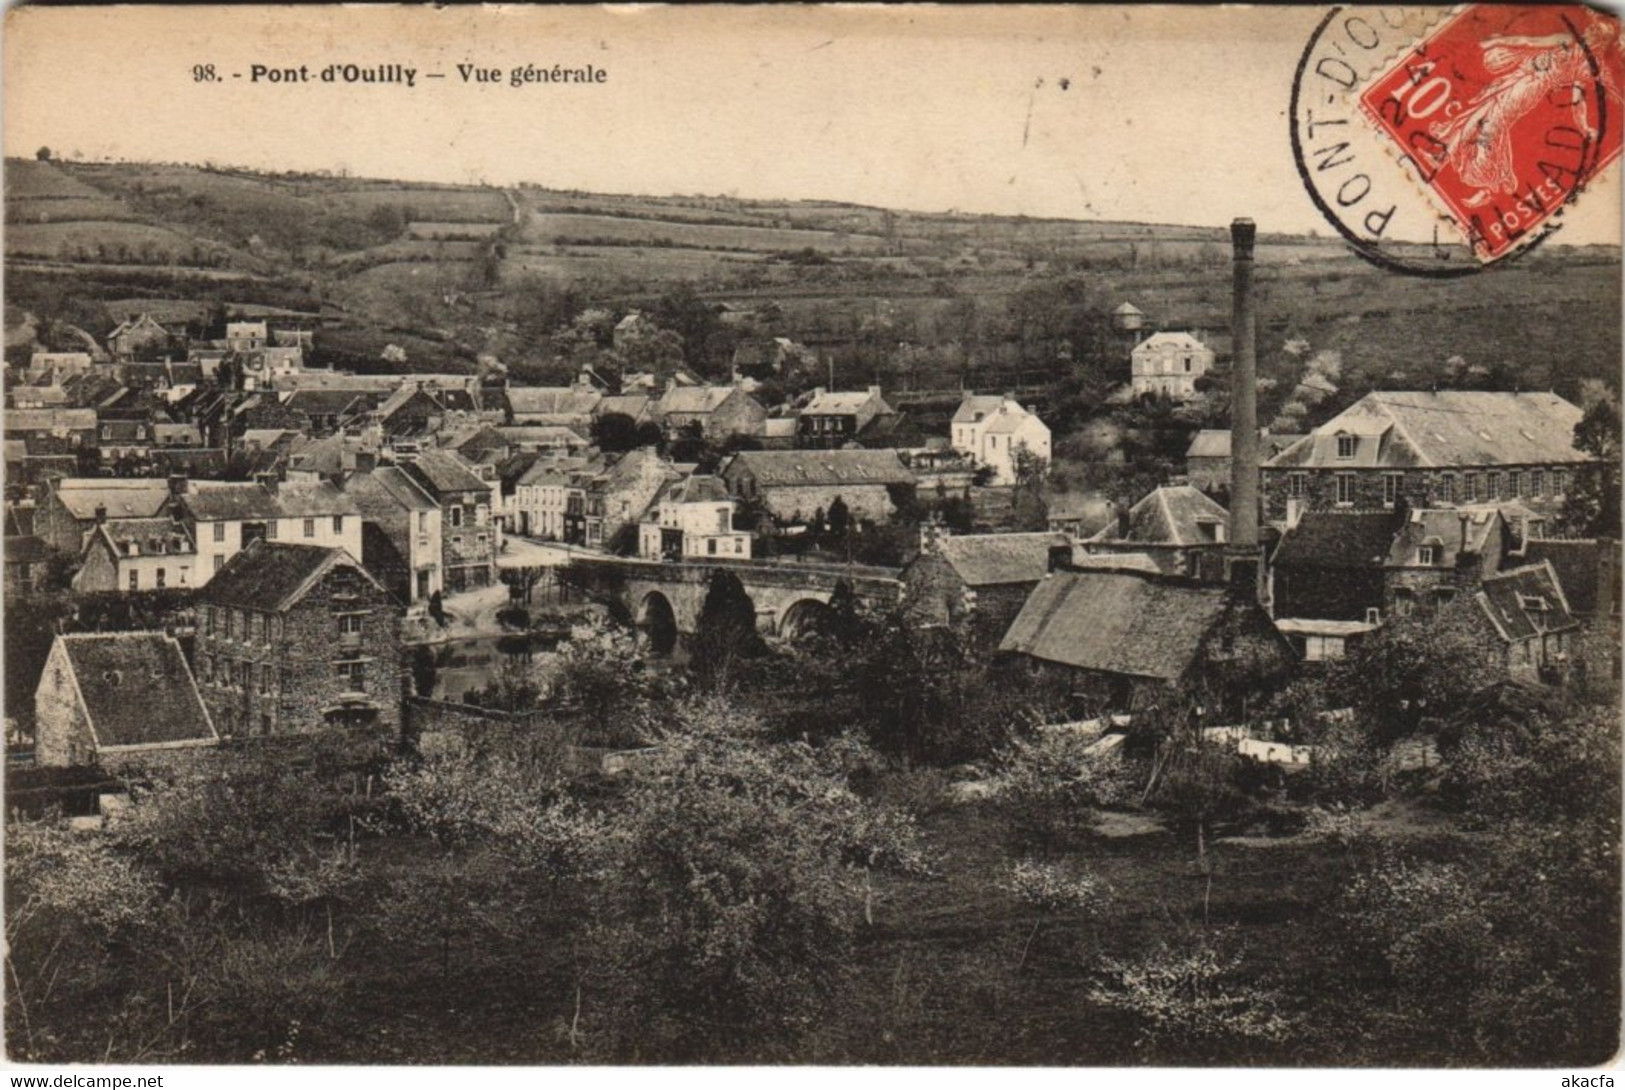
[1439, 143]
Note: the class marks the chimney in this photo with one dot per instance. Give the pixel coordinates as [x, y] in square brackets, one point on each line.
[1122, 522]
[1461, 546]
[1244, 548]
[101, 514]
[177, 485]
[818, 391]
[874, 391]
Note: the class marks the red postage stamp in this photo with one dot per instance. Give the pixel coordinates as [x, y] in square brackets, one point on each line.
[1505, 113]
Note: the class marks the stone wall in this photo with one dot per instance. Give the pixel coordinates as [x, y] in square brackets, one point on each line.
[1420, 487]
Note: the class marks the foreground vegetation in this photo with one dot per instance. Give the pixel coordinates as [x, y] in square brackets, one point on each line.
[800, 872]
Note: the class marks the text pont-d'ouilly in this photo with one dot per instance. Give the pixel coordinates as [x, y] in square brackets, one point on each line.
[407, 76]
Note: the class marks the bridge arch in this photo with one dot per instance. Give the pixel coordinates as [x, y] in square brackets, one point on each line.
[804, 617]
[657, 623]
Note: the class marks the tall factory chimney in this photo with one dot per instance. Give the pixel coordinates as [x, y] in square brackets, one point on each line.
[1244, 560]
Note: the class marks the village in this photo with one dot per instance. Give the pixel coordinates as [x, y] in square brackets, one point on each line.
[461, 609]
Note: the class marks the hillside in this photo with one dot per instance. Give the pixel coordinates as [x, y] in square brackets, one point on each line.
[918, 300]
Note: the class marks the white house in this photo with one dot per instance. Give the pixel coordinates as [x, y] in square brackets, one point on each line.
[692, 518]
[226, 516]
[992, 429]
[1169, 364]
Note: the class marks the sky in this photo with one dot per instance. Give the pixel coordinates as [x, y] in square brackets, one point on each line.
[1172, 115]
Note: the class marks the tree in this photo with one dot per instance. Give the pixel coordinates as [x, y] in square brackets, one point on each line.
[839, 518]
[725, 633]
[732, 886]
[1593, 504]
[43, 154]
[425, 671]
[1413, 669]
[614, 433]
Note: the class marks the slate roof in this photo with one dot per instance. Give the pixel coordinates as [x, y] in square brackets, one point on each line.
[977, 407]
[552, 401]
[1215, 443]
[1579, 565]
[783, 468]
[299, 499]
[987, 560]
[273, 576]
[1443, 428]
[136, 689]
[1116, 622]
[700, 488]
[443, 471]
[127, 497]
[633, 405]
[842, 403]
[541, 435]
[1526, 602]
[332, 402]
[159, 536]
[1337, 541]
[693, 399]
[1170, 515]
[1178, 341]
[50, 419]
[220, 501]
[1441, 528]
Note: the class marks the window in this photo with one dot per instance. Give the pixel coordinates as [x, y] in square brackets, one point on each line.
[1514, 484]
[265, 678]
[711, 545]
[456, 516]
[219, 562]
[1345, 488]
[350, 624]
[1390, 488]
[1469, 488]
[158, 579]
[208, 620]
[1373, 616]
[1298, 484]
[220, 531]
[270, 530]
[135, 579]
[207, 664]
[1427, 555]
[310, 527]
[338, 524]
[1345, 446]
[423, 522]
[1321, 648]
[1537, 482]
[1447, 488]
[1560, 482]
[1492, 486]
[354, 676]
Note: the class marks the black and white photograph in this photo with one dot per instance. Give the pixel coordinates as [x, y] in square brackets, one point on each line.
[818, 537]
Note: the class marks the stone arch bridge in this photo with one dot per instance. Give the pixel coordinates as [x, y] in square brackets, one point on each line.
[664, 598]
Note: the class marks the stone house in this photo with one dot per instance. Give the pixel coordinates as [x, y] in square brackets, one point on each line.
[544, 493]
[568, 406]
[980, 581]
[1169, 364]
[1430, 449]
[692, 519]
[1149, 640]
[133, 555]
[617, 497]
[246, 336]
[1588, 572]
[1520, 619]
[73, 507]
[1437, 554]
[117, 698]
[792, 486]
[831, 420]
[1207, 459]
[717, 411]
[25, 560]
[294, 638]
[471, 537]
[1177, 525]
[143, 337]
[400, 532]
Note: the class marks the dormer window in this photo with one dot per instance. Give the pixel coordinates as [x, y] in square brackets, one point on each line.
[1427, 555]
[1345, 446]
